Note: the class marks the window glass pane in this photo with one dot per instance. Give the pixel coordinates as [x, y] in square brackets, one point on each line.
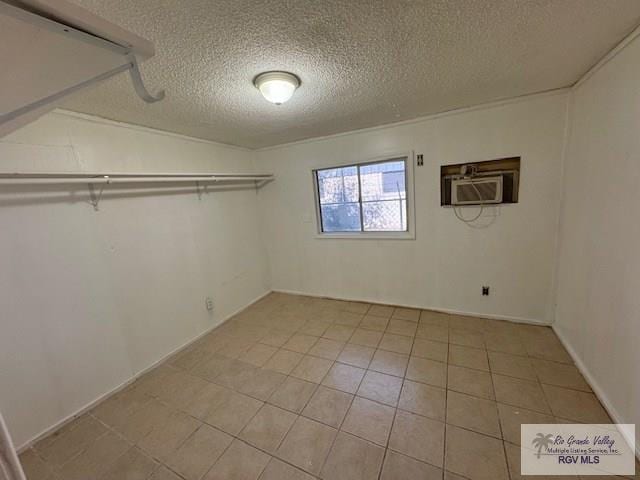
[369, 197]
[338, 185]
[340, 217]
[385, 216]
[383, 181]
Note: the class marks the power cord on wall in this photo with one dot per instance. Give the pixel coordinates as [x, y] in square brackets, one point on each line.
[469, 171]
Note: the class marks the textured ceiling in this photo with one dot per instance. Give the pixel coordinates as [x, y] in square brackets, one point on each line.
[362, 62]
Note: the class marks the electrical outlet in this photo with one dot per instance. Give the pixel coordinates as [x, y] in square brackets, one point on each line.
[420, 160]
[485, 291]
[209, 303]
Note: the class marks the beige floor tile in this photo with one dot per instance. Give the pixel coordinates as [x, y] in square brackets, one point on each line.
[115, 410]
[263, 384]
[396, 343]
[276, 338]
[472, 324]
[312, 369]
[152, 381]
[371, 322]
[234, 348]
[267, 429]
[352, 458]
[206, 400]
[167, 436]
[212, 367]
[96, 460]
[35, 468]
[325, 348]
[239, 462]
[381, 388]
[575, 405]
[427, 371]
[520, 393]
[369, 420]
[307, 444]
[133, 465]
[344, 377]
[293, 394]
[70, 440]
[366, 338]
[547, 348]
[400, 467]
[512, 366]
[259, 354]
[436, 333]
[418, 437]
[466, 338]
[434, 318]
[468, 357]
[199, 452]
[430, 349]
[423, 399]
[513, 462]
[236, 375]
[511, 419]
[328, 406]
[384, 311]
[402, 327]
[473, 413]
[357, 307]
[349, 319]
[472, 382]
[402, 313]
[475, 456]
[164, 473]
[340, 333]
[560, 375]
[300, 343]
[284, 361]
[234, 413]
[278, 470]
[452, 476]
[390, 363]
[356, 355]
[315, 328]
[180, 388]
[504, 343]
[141, 423]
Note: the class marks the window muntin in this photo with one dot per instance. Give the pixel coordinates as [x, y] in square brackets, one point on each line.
[363, 198]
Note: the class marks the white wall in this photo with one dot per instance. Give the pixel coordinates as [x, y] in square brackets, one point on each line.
[448, 262]
[598, 312]
[88, 299]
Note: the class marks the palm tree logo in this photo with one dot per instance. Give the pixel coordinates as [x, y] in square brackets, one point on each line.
[542, 440]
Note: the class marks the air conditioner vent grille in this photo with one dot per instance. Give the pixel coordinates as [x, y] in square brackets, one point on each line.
[477, 191]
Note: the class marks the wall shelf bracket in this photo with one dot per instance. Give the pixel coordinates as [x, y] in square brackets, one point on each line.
[138, 83]
[94, 198]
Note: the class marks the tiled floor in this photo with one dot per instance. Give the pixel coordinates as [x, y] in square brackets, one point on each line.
[296, 388]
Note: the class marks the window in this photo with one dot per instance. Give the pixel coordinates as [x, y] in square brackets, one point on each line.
[363, 198]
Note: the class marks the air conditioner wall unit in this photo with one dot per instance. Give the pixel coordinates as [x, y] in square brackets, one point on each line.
[476, 190]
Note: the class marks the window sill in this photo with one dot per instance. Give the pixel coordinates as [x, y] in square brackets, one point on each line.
[367, 236]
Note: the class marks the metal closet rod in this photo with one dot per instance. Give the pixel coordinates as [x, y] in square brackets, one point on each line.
[111, 178]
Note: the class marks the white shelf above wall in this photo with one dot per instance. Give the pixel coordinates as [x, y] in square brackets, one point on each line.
[51, 49]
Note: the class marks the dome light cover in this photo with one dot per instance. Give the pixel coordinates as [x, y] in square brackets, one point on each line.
[277, 87]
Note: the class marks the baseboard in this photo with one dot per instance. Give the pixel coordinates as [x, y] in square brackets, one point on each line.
[135, 377]
[597, 390]
[508, 318]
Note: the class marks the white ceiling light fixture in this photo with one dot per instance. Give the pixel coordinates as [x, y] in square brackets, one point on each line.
[277, 87]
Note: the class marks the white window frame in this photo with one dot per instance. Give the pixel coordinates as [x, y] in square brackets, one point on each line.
[409, 234]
